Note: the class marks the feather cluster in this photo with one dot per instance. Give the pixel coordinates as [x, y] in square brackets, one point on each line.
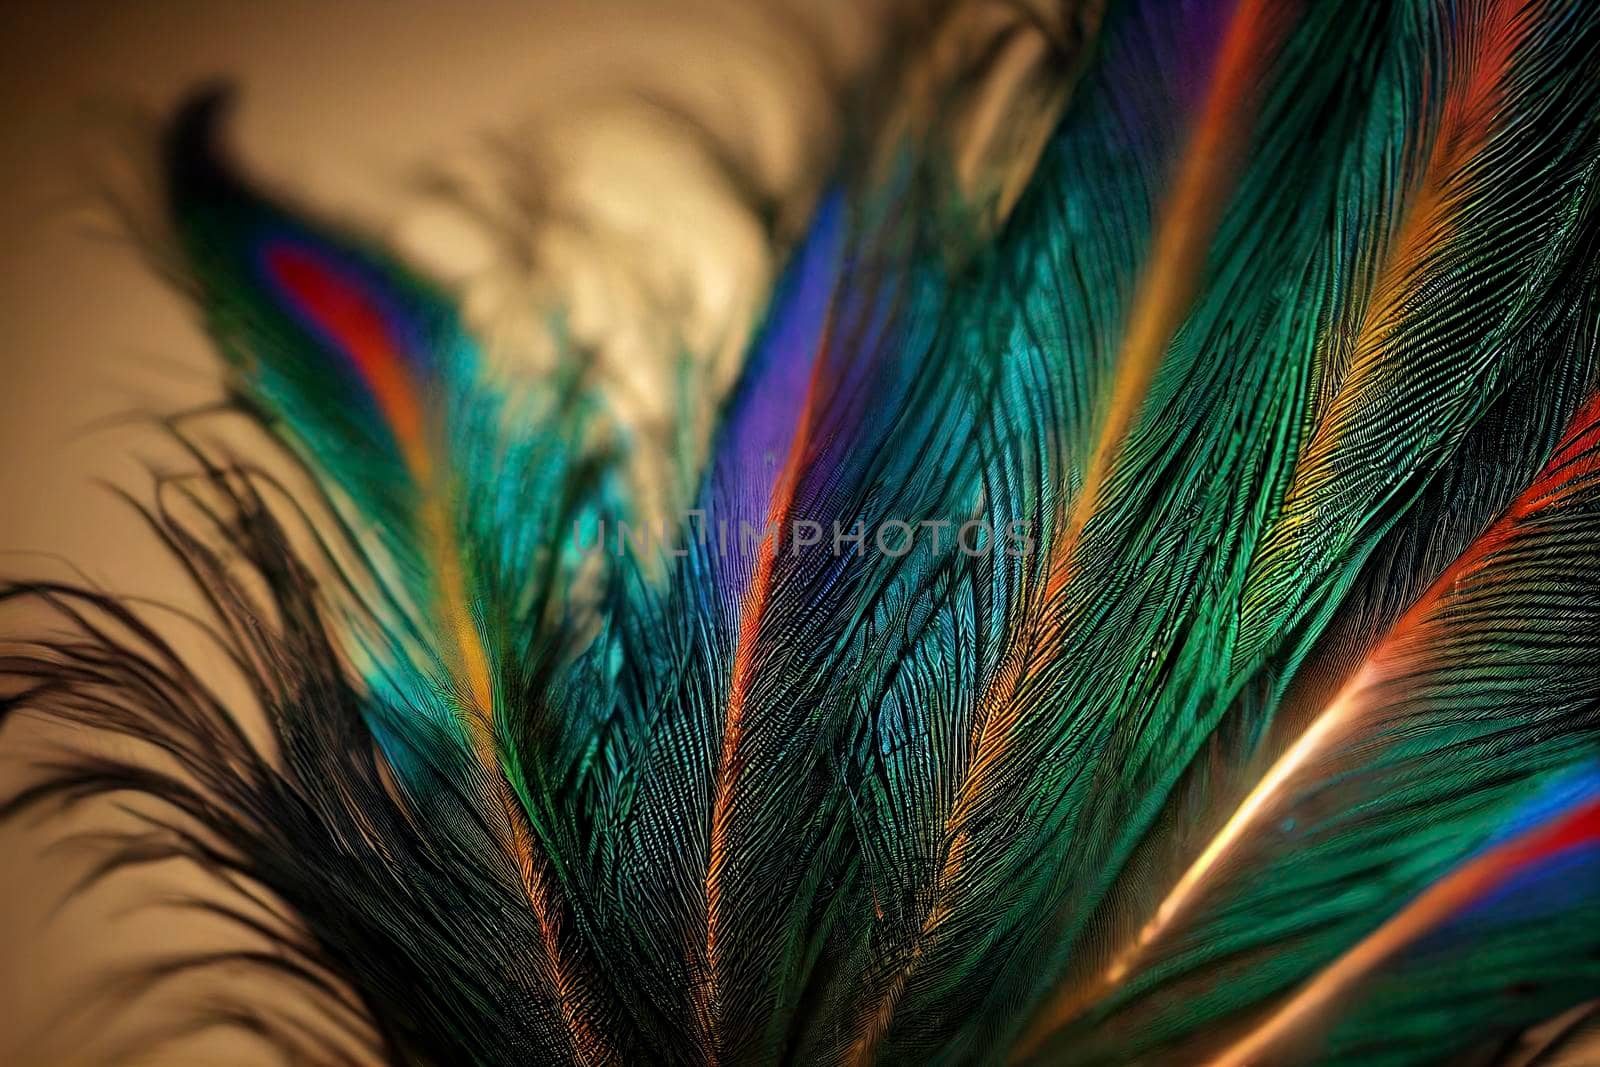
[1171, 634]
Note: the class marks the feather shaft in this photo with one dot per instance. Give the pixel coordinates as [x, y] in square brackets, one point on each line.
[1433, 213]
[725, 782]
[1168, 285]
[1381, 370]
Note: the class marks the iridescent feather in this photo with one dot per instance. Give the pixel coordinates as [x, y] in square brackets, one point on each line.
[1257, 722]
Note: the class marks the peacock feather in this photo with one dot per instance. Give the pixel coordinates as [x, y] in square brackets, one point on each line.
[1160, 627]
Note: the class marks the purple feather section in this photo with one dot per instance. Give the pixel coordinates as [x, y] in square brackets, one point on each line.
[770, 403]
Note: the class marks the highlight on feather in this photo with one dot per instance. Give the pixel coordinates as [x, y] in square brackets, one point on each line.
[1419, 659]
[1570, 833]
[1170, 631]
